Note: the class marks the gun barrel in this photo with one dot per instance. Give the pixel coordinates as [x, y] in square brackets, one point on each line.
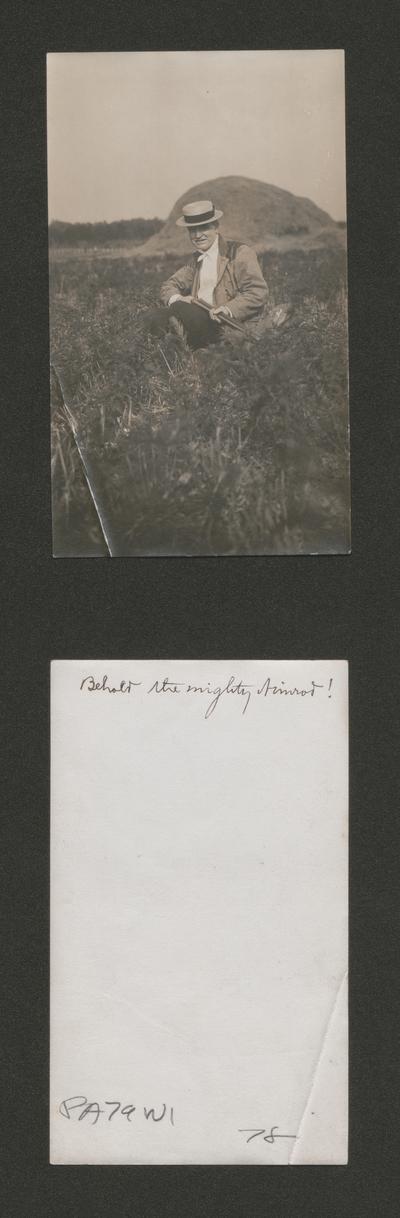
[227, 321]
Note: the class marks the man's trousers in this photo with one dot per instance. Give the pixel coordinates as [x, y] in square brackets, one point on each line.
[198, 328]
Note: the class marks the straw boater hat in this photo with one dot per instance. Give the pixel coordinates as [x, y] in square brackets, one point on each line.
[201, 212]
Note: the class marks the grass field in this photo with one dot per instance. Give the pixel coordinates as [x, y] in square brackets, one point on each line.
[241, 448]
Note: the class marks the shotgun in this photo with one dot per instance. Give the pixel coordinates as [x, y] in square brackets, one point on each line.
[228, 321]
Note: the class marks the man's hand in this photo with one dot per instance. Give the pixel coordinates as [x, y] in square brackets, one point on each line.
[219, 313]
[174, 299]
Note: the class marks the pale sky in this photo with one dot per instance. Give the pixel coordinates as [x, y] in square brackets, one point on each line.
[129, 132]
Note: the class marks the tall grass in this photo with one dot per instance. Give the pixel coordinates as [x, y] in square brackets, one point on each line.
[241, 448]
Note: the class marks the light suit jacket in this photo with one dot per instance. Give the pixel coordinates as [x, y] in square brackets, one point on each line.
[240, 284]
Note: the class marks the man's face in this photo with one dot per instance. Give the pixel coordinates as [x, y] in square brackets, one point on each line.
[203, 236]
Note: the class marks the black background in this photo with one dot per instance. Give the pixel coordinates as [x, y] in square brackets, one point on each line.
[284, 607]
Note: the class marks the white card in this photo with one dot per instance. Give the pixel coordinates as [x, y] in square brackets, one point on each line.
[199, 912]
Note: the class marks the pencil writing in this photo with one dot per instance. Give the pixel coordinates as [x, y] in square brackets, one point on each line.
[70, 1107]
[270, 1137]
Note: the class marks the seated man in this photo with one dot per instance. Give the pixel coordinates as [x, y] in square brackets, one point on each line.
[223, 275]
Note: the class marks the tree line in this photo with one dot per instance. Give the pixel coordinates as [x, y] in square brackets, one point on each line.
[102, 233]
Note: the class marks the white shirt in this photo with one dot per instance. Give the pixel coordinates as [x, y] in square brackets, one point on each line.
[208, 275]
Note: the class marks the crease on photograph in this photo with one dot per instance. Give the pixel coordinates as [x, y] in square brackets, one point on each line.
[319, 1124]
[59, 391]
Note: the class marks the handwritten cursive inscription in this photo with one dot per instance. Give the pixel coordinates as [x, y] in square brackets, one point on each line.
[103, 686]
[232, 687]
[241, 691]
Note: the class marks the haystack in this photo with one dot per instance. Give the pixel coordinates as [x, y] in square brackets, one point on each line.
[264, 215]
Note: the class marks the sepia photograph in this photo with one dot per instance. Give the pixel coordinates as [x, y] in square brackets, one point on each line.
[198, 303]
